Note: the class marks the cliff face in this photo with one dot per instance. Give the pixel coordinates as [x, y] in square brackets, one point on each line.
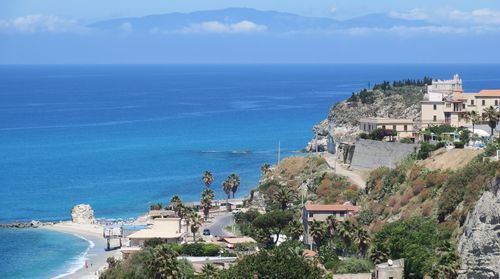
[342, 123]
[479, 245]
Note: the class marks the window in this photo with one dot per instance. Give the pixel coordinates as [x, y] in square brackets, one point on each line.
[496, 102]
[342, 214]
[394, 127]
[483, 102]
[311, 214]
[434, 118]
[471, 102]
[391, 277]
[463, 106]
[434, 107]
[448, 105]
[383, 127]
[364, 126]
[406, 128]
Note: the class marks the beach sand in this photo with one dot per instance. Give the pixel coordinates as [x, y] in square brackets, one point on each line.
[96, 255]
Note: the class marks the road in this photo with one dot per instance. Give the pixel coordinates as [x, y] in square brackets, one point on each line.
[220, 222]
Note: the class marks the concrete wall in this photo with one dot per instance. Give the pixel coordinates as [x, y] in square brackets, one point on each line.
[369, 154]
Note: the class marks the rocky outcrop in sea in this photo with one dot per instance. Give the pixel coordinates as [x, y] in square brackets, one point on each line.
[83, 214]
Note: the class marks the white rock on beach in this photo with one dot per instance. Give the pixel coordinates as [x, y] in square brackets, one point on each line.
[83, 214]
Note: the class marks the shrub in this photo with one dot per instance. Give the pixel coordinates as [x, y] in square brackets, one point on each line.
[354, 265]
[440, 144]
[211, 249]
[331, 265]
[320, 161]
[427, 209]
[327, 253]
[459, 145]
[156, 206]
[405, 140]
[396, 208]
[425, 150]
[424, 194]
[405, 199]
[366, 217]
[392, 201]
[243, 247]
[418, 185]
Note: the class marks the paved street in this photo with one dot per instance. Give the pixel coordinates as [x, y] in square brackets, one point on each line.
[220, 222]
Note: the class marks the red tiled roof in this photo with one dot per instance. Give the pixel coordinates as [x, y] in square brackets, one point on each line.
[489, 93]
[309, 253]
[332, 207]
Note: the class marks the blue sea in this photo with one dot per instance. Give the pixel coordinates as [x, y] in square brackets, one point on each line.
[121, 137]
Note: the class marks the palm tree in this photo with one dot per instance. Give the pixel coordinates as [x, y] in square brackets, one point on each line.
[235, 182]
[175, 201]
[448, 263]
[209, 271]
[295, 229]
[265, 169]
[473, 117]
[283, 196]
[318, 231]
[195, 224]
[185, 213]
[362, 239]
[379, 253]
[163, 262]
[206, 201]
[207, 178]
[346, 230]
[226, 187]
[332, 224]
[492, 115]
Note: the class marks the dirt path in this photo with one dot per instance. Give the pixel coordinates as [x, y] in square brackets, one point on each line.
[340, 169]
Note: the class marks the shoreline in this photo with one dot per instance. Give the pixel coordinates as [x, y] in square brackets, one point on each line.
[95, 255]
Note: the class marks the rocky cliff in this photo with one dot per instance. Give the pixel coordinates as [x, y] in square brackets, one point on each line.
[343, 119]
[479, 245]
[83, 214]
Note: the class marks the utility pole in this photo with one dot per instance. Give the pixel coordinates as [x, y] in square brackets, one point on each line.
[279, 151]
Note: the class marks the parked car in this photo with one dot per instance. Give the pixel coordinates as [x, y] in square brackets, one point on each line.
[206, 232]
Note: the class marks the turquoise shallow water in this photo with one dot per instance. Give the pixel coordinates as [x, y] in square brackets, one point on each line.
[39, 253]
[122, 137]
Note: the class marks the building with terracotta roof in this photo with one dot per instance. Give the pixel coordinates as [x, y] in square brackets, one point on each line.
[447, 103]
[320, 212]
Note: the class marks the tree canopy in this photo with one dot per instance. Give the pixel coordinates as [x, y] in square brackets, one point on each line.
[418, 241]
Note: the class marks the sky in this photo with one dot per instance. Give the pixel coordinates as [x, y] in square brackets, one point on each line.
[425, 31]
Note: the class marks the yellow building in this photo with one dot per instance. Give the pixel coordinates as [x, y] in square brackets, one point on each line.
[446, 103]
[404, 127]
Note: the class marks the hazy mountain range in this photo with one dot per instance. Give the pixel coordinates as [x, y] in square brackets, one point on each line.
[268, 20]
[242, 35]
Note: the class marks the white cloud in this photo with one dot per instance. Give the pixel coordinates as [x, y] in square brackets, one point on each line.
[479, 16]
[415, 14]
[38, 23]
[409, 31]
[126, 26]
[244, 26]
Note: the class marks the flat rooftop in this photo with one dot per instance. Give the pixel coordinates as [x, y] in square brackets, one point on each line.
[387, 120]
